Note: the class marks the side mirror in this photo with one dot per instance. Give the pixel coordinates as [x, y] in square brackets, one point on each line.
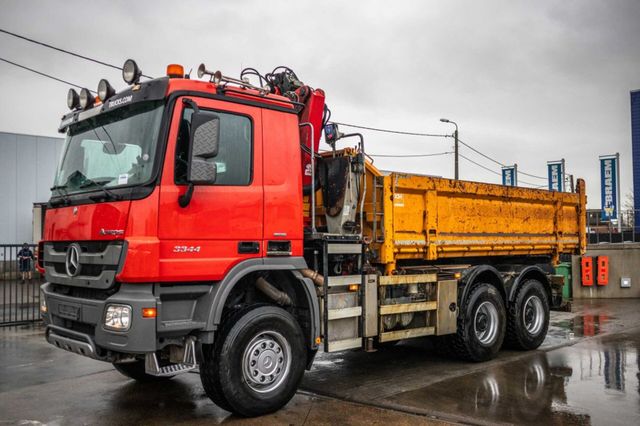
[203, 145]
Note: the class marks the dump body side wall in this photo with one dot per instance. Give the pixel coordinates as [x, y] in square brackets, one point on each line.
[428, 218]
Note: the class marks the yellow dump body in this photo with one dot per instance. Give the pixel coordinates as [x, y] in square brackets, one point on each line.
[413, 217]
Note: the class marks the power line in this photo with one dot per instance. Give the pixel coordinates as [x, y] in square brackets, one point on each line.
[43, 74]
[59, 49]
[401, 132]
[497, 173]
[410, 155]
[500, 163]
[480, 165]
[533, 176]
[484, 155]
[398, 132]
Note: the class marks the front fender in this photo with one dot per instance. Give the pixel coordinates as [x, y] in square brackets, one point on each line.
[221, 291]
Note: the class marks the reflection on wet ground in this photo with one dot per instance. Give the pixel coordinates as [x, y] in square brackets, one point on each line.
[587, 373]
[42, 385]
[592, 382]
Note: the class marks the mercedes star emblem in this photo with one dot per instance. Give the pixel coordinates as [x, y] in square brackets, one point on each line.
[72, 262]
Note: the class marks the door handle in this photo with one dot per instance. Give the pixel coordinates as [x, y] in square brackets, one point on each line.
[248, 247]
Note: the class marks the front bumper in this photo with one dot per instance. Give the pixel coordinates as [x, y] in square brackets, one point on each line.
[75, 323]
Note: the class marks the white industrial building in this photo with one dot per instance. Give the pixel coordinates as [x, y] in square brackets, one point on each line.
[27, 169]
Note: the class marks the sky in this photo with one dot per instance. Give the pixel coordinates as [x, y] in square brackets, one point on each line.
[526, 82]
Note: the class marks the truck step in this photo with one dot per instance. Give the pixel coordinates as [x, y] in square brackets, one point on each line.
[188, 362]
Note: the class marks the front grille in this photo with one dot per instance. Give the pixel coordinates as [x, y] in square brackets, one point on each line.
[87, 246]
[87, 270]
[98, 263]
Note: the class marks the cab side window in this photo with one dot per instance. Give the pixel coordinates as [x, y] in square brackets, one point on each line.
[235, 149]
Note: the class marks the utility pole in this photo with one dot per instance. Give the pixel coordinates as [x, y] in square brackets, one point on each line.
[455, 136]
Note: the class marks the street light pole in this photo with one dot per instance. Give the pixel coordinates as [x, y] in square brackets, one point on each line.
[455, 135]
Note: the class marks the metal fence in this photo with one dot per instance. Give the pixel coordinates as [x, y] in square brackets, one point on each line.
[623, 230]
[19, 299]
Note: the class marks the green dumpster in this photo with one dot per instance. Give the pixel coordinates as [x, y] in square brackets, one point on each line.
[564, 269]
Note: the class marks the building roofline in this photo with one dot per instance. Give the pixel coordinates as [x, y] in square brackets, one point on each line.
[30, 134]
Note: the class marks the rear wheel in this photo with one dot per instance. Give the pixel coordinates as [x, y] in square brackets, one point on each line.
[481, 326]
[528, 320]
[135, 370]
[257, 362]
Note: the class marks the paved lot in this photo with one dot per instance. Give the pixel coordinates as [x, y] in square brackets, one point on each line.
[587, 372]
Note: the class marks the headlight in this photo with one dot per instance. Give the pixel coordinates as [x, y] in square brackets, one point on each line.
[130, 72]
[86, 99]
[43, 303]
[117, 317]
[105, 91]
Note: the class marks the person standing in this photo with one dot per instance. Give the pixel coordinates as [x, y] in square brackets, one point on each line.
[24, 259]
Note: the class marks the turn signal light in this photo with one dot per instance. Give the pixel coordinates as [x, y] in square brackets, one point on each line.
[353, 287]
[175, 71]
[149, 312]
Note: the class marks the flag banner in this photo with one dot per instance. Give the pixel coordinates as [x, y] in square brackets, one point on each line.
[609, 190]
[556, 175]
[510, 175]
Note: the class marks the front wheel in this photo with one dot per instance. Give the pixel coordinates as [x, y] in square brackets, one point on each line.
[257, 362]
[528, 320]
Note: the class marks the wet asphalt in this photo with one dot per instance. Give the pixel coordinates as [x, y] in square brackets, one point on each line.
[586, 372]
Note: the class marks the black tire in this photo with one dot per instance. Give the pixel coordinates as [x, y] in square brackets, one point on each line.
[135, 370]
[526, 329]
[272, 338]
[466, 343]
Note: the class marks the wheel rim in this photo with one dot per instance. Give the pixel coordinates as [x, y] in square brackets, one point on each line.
[266, 361]
[533, 315]
[485, 323]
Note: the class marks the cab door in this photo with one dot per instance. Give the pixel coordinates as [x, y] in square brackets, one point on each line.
[223, 223]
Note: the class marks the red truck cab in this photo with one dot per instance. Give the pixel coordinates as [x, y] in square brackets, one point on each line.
[143, 257]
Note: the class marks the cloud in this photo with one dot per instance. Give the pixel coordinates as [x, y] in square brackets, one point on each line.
[527, 82]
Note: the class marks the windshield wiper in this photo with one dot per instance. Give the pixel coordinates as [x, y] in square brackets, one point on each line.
[64, 196]
[99, 184]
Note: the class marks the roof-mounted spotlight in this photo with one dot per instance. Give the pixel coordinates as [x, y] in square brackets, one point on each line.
[105, 90]
[73, 99]
[131, 72]
[86, 99]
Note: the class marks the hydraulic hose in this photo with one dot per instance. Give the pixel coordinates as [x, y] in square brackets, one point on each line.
[280, 297]
[313, 275]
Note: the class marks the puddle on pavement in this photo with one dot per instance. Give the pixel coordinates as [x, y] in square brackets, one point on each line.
[589, 383]
[583, 325]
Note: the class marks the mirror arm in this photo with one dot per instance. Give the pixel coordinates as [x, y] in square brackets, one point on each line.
[191, 103]
[185, 198]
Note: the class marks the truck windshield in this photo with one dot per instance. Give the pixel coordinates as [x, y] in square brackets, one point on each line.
[114, 149]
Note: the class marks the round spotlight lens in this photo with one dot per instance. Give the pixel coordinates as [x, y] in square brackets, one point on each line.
[86, 99]
[105, 90]
[130, 72]
[73, 100]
